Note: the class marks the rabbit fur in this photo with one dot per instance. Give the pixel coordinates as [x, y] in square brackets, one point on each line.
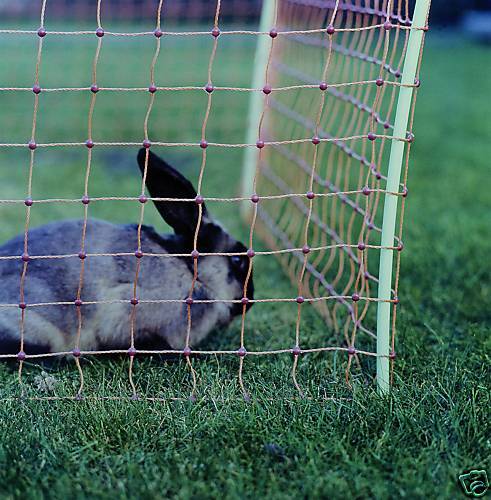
[107, 326]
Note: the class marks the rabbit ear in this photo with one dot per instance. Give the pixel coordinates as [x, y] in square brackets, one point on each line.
[163, 181]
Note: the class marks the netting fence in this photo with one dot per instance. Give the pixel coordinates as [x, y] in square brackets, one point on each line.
[329, 128]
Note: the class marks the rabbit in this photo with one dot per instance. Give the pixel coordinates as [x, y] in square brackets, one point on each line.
[158, 326]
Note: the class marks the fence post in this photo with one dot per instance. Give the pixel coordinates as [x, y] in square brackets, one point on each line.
[256, 103]
[391, 200]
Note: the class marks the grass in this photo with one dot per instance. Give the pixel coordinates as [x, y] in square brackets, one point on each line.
[412, 444]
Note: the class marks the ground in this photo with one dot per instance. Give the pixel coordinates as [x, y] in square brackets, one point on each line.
[415, 443]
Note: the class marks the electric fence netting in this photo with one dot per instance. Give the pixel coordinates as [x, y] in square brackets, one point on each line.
[323, 188]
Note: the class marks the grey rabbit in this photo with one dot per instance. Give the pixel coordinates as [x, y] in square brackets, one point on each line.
[52, 328]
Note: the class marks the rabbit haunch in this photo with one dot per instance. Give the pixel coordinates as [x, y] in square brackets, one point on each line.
[53, 328]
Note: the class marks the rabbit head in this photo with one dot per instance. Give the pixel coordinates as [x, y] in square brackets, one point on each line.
[219, 277]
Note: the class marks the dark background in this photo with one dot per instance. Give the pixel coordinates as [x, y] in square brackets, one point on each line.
[443, 12]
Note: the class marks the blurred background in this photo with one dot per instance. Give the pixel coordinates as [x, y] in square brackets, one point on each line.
[444, 13]
[457, 47]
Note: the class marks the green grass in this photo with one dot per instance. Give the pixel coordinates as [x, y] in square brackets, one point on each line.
[414, 444]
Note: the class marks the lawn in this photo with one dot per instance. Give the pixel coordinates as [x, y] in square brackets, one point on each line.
[415, 443]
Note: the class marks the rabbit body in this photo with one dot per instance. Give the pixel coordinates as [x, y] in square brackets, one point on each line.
[53, 328]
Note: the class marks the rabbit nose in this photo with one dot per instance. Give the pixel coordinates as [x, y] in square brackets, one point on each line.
[247, 300]
[237, 307]
[242, 301]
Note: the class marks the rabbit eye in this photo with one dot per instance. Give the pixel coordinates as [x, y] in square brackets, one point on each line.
[238, 261]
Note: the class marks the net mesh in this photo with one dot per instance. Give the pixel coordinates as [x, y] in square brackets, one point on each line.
[330, 88]
[335, 175]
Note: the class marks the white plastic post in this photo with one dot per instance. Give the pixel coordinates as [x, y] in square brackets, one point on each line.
[256, 103]
[390, 200]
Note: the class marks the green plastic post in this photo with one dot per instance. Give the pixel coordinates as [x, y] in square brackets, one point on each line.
[256, 103]
[390, 203]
